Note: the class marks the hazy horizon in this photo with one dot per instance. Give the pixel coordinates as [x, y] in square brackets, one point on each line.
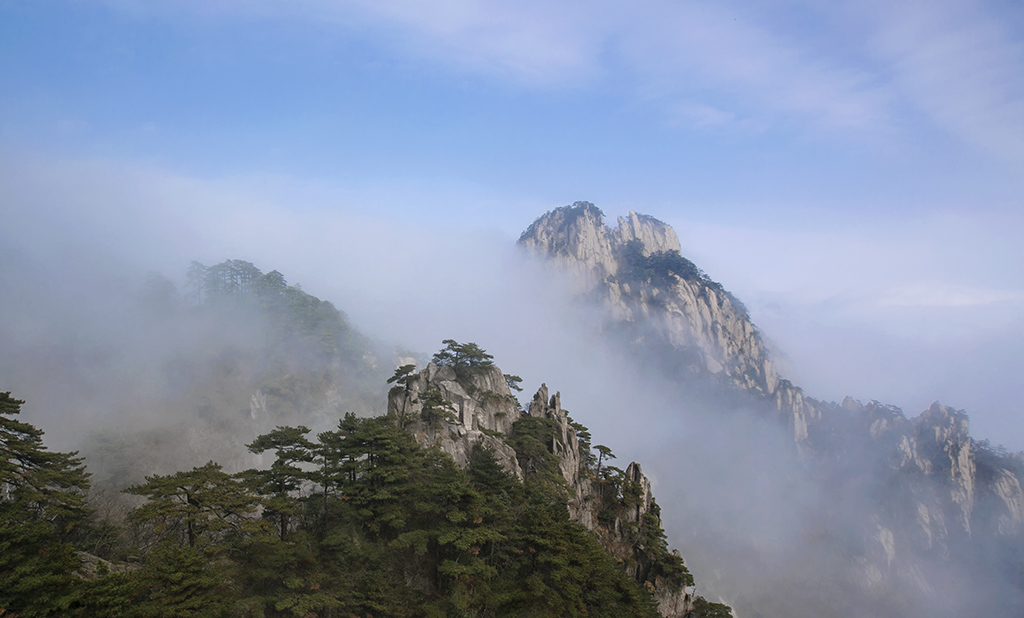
[830, 340]
[852, 172]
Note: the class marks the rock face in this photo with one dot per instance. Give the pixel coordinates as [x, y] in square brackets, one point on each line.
[942, 434]
[953, 495]
[930, 460]
[482, 405]
[620, 511]
[596, 506]
[1006, 491]
[565, 445]
[704, 326]
[577, 237]
[924, 497]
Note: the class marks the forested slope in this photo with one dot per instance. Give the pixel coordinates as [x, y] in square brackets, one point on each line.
[232, 355]
[252, 489]
[360, 520]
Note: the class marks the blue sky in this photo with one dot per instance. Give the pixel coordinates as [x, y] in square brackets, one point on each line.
[853, 170]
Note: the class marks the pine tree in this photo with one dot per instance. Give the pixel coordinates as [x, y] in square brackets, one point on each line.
[196, 507]
[286, 578]
[179, 581]
[435, 408]
[111, 595]
[42, 502]
[388, 471]
[702, 608]
[465, 358]
[195, 278]
[285, 476]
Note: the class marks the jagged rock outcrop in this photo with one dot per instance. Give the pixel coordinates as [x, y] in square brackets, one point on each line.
[614, 511]
[932, 456]
[652, 295]
[940, 499]
[566, 447]
[92, 566]
[616, 521]
[1009, 516]
[577, 238]
[919, 495]
[622, 540]
[481, 404]
[944, 435]
[620, 511]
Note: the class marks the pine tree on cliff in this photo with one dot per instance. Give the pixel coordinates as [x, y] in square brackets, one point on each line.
[465, 358]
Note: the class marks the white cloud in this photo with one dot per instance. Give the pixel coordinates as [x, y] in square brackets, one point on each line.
[538, 42]
[959, 64]
[702, 116]
[662, 48]
[945, 295]
[886, 310]
[857, 67]
[724, 52]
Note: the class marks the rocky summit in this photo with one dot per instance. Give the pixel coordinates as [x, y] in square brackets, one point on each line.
[655, 297]
[923, 514]
[617, 506]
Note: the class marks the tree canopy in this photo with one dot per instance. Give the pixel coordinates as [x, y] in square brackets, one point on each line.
[42, 503]
[356, 521]
[462, 356]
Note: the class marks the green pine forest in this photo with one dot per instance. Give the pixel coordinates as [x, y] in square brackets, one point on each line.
[355, 521]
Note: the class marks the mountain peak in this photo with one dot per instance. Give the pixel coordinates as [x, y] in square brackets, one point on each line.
[577, 236]
[653, 294]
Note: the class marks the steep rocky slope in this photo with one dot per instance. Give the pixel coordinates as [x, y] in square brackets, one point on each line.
[655, 298]
[915, 504]
[942, 497]
[616, 505]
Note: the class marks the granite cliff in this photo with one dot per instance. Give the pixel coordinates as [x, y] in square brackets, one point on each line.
[655, 298]
[617, 506]
[916, 504]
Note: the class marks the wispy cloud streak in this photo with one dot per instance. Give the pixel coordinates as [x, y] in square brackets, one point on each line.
[960, 65]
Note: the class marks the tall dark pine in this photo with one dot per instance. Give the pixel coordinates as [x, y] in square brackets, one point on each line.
[285, 475]
[42, 501]
[197, 507]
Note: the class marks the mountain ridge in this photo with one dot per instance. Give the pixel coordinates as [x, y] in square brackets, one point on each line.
[696, 316]
[931, 501]
[618, 508]
[910, 508]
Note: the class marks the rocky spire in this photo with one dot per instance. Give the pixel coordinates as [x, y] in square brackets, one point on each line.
[481, 411]
[480, 406]
[937, 497]
[651, 292]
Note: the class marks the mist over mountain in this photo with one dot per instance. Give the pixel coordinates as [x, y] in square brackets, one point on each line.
[803, 317]
[142, 376]
[846, 509]
[784, 505]
[213, 367]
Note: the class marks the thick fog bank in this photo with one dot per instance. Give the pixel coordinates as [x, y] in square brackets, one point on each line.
[871, 334]
[84, 344]
[906, 311]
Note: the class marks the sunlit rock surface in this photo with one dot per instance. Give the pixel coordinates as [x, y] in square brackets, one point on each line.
[706, 325]
[484, 412]
[480, 403]
[920, 509]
